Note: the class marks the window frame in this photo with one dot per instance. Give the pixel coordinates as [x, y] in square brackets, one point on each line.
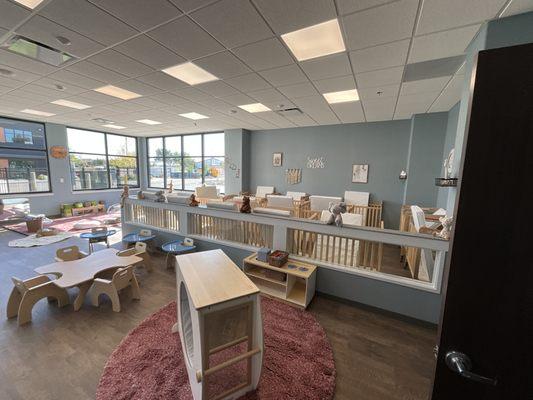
[45, 150]
[106, 155]
[181, 158]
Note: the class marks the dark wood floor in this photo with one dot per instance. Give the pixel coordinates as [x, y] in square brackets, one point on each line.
[61, 354]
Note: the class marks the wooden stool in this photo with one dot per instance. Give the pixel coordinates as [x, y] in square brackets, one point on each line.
[218, 309]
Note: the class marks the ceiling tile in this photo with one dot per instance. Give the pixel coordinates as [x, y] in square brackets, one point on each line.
[88, 20]
[189, 5]
[380, 57]
[287, 16]
[380, 25]
[350, 6]
[192, 94]
[450, 95]
[149, 102]
[265, 54]
[439, 15]
[67, 88]
[238, 99]
[96, 72]
[198, 42]
[518, 7]
[221, 19]
[379, 92]
[141, 14]
[223, 65]
[442, 44]
[327, 67]
[76, 79]
[433, 68]
[20, 75]
[414, 104]
[138, 87]
[335, 84]
[117, 62]
[425, 85]
[298, 90]
[268, 96]
[283, 76]
[349, 112]
[378, 78]
[11, 14]
[162, 81]
[149, 52]
[379, 109]
[93, 98]
[248, 83]
[24, 63]
[169, 98]
[217, 89]
[10, 82]
[46, 31]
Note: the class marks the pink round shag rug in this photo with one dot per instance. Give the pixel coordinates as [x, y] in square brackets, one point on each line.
[297, 362]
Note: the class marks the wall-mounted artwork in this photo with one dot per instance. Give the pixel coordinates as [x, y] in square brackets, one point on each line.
[58, 151]
[293, 175]
[277, 159]
[360, 173]
[316, 162]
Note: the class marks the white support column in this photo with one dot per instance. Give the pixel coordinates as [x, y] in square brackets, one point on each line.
[183, 221]
[279, 241]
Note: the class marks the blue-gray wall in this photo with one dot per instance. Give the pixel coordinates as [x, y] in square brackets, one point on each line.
[381, 145]
[428, 132]
[449, 142]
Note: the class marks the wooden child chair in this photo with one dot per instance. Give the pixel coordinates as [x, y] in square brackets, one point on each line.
[122, 278]
[69, 253]
[139, 250]
[26, 293]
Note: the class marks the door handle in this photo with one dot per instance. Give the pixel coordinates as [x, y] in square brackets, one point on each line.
[461, 364]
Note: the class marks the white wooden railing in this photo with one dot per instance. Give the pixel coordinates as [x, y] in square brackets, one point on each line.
[354, 250]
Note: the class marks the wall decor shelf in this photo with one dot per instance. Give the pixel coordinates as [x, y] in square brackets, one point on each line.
[293, 282]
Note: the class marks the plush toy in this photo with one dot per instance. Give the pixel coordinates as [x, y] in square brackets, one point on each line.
[140, 195]
[246, 207]
[447, 223]
[170, 187]
[336, 210]
[192, 201]
[160, 196]
[125, 194]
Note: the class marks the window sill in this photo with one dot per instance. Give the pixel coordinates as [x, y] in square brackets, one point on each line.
[23, 195]
[82, 192]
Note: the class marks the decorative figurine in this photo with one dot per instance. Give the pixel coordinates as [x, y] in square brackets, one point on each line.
[192, 201]
[160, 197]
[447, 223]
[125, 194]
[246, 207]
[336, 209]
[171, 187]
[140, 195]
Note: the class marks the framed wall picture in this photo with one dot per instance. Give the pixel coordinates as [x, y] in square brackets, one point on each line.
[277, 159]
[360, 173]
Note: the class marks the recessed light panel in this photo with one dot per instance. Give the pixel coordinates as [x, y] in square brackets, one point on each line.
[148, 122]
[193, 115]
[343, 96]
[31, 4]
[71, 104]
[114, 126]
[115, 91]
[315, 41]
[37, 51]
[255, 108]
[37, 112]
[190, 73]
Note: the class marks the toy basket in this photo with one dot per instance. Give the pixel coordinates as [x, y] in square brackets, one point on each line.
[278, 258]
[34, 224]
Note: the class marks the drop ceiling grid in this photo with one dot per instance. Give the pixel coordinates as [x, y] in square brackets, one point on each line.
[234, 43]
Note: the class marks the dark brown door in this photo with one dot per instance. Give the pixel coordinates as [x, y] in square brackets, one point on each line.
[487, 324]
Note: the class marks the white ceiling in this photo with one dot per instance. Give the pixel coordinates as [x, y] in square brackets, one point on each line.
[127, 42]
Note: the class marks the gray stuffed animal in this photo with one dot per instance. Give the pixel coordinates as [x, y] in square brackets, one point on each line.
[160, 197]
[336, 209]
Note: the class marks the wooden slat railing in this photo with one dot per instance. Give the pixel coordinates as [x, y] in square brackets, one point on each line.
[153, 216]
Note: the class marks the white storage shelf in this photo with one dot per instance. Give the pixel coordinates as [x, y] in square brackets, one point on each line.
[294, 285]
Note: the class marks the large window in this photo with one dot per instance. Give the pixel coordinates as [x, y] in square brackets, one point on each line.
[187, 161]
[102, 160]
[23, 157]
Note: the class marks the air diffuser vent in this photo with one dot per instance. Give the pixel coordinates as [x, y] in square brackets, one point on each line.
[290, 112]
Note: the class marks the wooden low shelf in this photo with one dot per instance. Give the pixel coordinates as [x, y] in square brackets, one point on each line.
[292, 285]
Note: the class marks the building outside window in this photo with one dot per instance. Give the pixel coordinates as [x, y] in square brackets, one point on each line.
[23, 157]
[188, 161]
[102, 160]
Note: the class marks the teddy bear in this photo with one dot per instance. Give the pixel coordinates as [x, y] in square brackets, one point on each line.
[336, 210]
[192, 201]
[160, 197]
[246, 207]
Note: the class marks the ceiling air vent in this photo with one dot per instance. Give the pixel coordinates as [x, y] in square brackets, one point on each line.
[37, 51]
[290, 112]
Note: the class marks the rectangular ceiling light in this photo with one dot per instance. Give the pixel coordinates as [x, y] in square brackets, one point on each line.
[193, 115]
[190, 73]
[71, 104]
[343, 96]
[315, 41]
[255, 108]
[37, 51]
[115, 91]
[31, 4]
[37, 112]
[148, 122]
[114, 126]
